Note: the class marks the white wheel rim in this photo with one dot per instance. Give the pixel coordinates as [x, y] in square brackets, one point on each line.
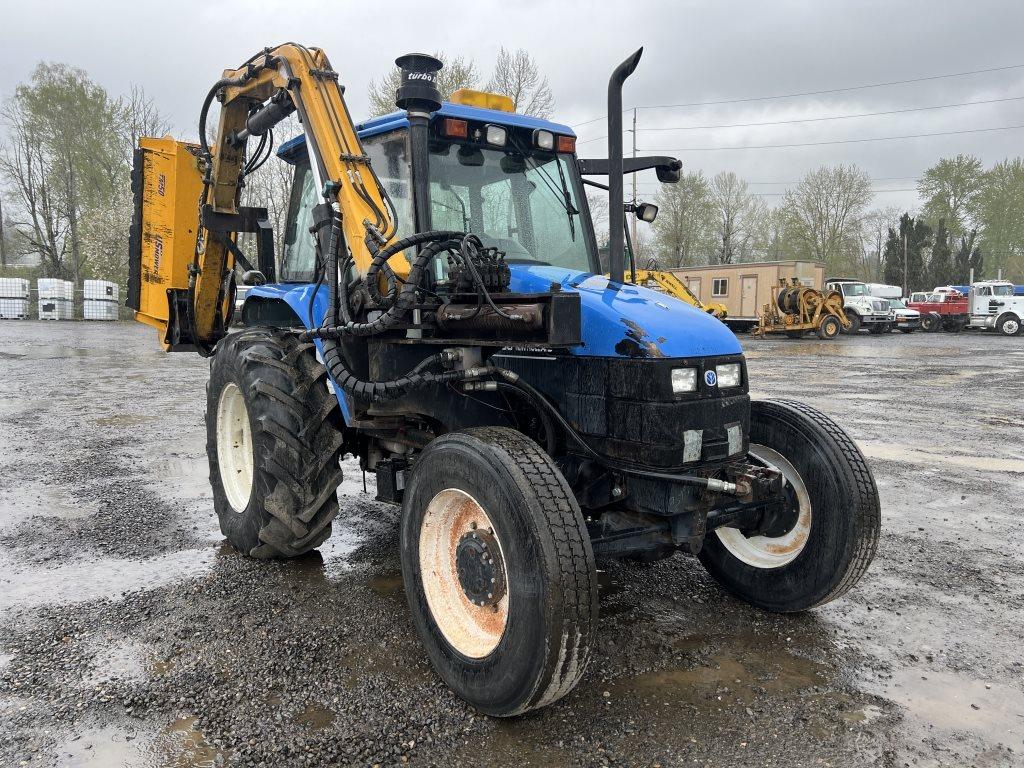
[765, 551]
[234, 447]
[472, 630]
[1010, 327]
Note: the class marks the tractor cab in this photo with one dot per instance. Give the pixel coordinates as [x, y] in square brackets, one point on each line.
[511, 179]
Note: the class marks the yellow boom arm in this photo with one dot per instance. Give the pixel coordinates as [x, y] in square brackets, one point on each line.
[171, 172]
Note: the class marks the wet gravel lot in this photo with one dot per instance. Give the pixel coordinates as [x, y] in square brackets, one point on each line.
[131, 635]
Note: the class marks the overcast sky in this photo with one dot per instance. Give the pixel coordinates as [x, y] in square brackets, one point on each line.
[694, 52]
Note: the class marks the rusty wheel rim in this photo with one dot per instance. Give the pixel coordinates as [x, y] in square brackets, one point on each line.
[769, 552]
[474, 630]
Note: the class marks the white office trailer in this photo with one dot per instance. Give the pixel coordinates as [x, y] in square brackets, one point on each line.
[54, 288]
[56, 309]
[101, 300]
[14, 298]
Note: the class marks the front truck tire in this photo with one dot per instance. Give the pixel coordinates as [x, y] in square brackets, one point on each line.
[272, 437]
[498, 570]
[855, 323]
[833, 540]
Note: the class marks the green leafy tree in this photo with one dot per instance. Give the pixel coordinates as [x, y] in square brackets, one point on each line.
[456, 73]
[1001, 216]
[950, 190]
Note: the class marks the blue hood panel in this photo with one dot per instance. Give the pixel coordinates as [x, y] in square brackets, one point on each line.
[619, 320]
[624, 320]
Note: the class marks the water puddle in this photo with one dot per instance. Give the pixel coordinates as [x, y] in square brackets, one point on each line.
[950, 702]
[26, 499]
[388, 585]
[104, 748]
[315, 718]
[50, 352]
[96, 578]
[183, 745]
[910, 455]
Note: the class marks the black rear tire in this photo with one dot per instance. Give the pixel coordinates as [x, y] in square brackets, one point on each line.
[931, 322]
[1009, 326]
[295, 426]
[829, 328]
[543, 646]
[855, 322]
[844, 514]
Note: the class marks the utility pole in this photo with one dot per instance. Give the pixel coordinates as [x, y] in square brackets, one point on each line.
[633, 218]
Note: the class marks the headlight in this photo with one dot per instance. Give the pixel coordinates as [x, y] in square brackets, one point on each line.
[728, 375]
[544, 140]
[684, 380]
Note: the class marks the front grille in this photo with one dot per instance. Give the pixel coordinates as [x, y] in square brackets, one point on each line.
[626, 409]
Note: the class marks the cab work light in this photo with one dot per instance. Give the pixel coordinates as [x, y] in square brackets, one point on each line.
[566, 143]
[544, 140]
[495, 135]
[728, 375]
[455, 129]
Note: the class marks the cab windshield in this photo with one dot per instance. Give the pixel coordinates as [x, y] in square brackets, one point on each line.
[1002, 290]
[854, 289]
[526, 204]
[897, 304]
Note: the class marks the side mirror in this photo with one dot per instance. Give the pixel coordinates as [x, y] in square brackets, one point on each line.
[669, 173]
[470, 156]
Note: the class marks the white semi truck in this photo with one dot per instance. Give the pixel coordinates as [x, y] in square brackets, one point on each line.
[993, 305]
[862, 309]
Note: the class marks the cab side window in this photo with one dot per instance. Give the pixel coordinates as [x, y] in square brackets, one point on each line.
[298, 259]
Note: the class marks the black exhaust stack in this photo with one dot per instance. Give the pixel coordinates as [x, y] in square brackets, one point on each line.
[616, 212]
[419, 96]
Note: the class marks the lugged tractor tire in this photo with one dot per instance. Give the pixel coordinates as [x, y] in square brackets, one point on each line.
[527, 643]
[270, 418]
[832, 541]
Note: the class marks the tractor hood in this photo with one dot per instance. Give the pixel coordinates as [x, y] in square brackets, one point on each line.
[625, 320]
[619, 320]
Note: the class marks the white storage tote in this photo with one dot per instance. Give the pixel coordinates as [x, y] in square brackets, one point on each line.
[13, 309]
[100, 290]
[14, 288]
[55, 309]
[99, 309]
[53, 288]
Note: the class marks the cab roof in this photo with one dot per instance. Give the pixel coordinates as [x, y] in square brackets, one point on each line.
[293, 150]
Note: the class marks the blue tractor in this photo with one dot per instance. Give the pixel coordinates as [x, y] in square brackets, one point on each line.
[530, 415]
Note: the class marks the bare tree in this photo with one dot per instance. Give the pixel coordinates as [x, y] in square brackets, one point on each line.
[517, 76]
[736, 212]
[598, 204]
[26, 166]
[826, 211]
[456, 73]
[684, 232]
[141, 118]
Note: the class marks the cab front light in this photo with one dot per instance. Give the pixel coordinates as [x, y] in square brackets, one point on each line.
[729, 375]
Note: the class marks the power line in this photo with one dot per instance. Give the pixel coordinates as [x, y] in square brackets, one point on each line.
[818, 119]
[813, 93]
[873, 191]
[838, 141]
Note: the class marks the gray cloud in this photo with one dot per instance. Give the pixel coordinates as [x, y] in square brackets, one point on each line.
[694, 51]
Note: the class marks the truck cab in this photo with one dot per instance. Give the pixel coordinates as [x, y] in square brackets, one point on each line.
[862, 309]
[994, 306]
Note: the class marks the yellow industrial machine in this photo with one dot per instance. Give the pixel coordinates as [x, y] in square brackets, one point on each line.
[667, 282]
[796, 309]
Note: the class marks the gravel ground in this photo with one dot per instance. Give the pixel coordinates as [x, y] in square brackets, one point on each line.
[131, 635]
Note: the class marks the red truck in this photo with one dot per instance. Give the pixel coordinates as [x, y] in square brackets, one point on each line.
[946, 311]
